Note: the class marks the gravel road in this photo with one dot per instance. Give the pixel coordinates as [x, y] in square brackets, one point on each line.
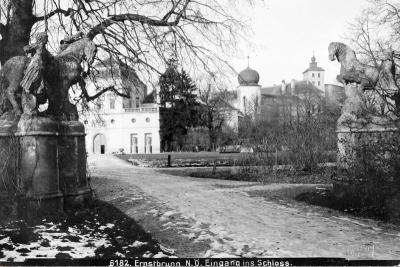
[230, 221]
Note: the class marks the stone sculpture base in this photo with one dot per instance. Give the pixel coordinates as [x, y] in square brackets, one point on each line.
[351, 141]
[45, 165]
[369, 144]
[366, 155]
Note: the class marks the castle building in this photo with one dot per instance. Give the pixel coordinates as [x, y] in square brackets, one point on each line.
[315, 74]
[117, 124]
[254, 99]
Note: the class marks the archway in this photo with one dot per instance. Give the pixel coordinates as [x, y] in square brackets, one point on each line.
[99, 144]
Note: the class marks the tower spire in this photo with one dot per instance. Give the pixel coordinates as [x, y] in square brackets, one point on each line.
[248, 61]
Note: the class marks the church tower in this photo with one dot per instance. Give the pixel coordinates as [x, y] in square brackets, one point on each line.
[249, 93]
[315, 74]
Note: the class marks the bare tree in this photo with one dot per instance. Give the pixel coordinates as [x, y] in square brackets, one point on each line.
[142, 32]
[217, 109]
[373, 35]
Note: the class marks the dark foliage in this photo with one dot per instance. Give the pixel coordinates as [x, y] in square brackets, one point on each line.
[179, 109]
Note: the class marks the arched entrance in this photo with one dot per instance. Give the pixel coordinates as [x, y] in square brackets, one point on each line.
[99, 144]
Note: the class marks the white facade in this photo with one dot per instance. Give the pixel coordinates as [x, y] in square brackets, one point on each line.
[315, 74]
[130, 131]
[317, 78]
[120, 124]
[249, 98]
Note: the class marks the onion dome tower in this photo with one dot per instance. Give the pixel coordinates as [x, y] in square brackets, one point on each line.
[248, 77]
[249, 92]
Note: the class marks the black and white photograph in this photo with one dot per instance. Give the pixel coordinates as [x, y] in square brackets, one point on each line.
[199, 133]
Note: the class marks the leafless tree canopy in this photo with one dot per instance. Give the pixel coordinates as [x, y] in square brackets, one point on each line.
[371, 34]
[142, 33]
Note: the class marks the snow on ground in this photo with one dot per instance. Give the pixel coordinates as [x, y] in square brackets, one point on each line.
[19, 241]
[239, 224]
[49, 244]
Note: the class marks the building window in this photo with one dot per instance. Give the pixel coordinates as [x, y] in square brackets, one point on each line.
[133, 120]
[112, 103]
[128, 102]
[319, 83]
[112, 121]
[147, 119]
[319, 75]
[134, 144]
[312, 75]
[148, 148]
[313, 83]
[137, 102]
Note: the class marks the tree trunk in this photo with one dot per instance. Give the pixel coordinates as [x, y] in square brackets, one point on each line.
[16, 33]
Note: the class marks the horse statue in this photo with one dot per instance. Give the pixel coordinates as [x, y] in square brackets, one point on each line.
[65, 72]
[352, 70]
[59, 74]
[381, 78]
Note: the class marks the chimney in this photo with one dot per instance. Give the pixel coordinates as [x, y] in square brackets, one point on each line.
[283, 89]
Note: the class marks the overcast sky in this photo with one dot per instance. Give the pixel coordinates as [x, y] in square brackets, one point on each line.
[286, 32]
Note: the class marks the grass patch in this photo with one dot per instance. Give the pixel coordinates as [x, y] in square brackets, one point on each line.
[326, 198]
[208, 159]
[323, 176]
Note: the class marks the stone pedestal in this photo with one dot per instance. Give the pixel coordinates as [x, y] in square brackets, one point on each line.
[39, 173]
[368, 152]
[353, 141]
[46, 164]
[72, 164]
[10, 183]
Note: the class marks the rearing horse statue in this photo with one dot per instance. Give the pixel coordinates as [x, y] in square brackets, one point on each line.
[63, 71]
[352, 70]
[381, 78]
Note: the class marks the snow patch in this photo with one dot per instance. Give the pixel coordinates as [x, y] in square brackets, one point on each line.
[5, 240]
[160, 255]
[137, 244]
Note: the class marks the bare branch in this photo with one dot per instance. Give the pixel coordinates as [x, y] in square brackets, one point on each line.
[66, 13]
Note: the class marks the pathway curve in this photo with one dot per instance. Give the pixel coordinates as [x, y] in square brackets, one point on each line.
[238, 224]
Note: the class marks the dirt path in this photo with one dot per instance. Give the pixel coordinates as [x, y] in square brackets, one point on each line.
[226, 220]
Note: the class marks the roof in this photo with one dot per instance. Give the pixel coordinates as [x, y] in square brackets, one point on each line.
[119, 72]
[274, 90]
[300, 87]
[248, 77]
[314, 69]
[304, 86]
[313, 66]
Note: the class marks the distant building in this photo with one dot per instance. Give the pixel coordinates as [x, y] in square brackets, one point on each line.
[315, 74]
[268, 102]
[117, 124]
[248, 91]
